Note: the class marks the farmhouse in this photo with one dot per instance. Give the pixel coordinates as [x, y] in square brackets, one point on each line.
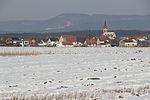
[42, 43]
[67, 41]
[26, 42]
[91, 42]
[103, 41]
[128, 43]
[52, 42]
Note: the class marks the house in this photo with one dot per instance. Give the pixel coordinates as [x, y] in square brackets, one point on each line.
[139, 38]
[103, 41]
[91, 42]
[9, 41]
[26, 42]
[52, 42]
[128, 43]
[33, 43]
[67, 40]
[80, 42]
[27, 39]
[16, 41]
[42, 43]
[13, 41]
[2, 43]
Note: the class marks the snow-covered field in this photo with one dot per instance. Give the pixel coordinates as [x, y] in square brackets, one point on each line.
[102, 73]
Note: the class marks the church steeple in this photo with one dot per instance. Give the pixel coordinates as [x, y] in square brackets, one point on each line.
[105, 29]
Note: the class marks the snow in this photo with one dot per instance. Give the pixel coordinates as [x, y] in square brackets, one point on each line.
[66, 70]
[67, 24]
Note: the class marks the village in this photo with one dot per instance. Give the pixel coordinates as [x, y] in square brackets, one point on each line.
[107, 39]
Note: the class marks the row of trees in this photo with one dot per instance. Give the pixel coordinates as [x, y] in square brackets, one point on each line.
[84, 33]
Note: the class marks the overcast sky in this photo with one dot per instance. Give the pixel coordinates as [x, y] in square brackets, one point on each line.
[46, 9]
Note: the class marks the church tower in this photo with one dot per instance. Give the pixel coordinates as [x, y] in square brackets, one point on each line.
[105, 29]
[110, 35]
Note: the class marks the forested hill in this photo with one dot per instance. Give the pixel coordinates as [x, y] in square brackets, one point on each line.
[73, 22]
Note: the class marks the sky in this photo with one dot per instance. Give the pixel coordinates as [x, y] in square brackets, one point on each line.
[46, 9]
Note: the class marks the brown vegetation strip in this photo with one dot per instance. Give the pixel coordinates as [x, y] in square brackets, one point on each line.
[95, 95]
[20, 54]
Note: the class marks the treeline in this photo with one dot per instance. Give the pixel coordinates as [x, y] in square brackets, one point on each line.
[84, 33]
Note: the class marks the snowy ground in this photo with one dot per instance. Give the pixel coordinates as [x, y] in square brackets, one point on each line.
[113, 73]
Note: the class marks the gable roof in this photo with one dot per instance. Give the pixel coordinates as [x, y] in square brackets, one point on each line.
[102, 38]
[138, 37]
[69, 38]
[129, 40]
[9, 39]
[91, 41]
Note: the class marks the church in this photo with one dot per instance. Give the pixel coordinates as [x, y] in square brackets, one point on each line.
[110, 35]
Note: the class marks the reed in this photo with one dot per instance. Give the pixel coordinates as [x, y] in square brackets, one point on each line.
[19, 53]
[102, 94]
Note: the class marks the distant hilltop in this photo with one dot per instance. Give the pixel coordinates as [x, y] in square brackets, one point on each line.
[73, 22]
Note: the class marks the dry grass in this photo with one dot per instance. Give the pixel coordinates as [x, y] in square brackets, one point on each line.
[102, 94]
[19, 53]
[23, 51]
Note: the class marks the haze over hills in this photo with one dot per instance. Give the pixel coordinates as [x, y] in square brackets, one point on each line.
[72, 22]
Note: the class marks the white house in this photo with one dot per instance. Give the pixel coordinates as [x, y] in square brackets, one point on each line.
[128, 43]
[67, 41]
[42, 43]
[52, 42]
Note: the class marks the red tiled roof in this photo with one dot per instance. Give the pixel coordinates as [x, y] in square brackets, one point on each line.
[67, 43]
[9, 38]
[137, 37]
[70, 38]
[90, 41]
